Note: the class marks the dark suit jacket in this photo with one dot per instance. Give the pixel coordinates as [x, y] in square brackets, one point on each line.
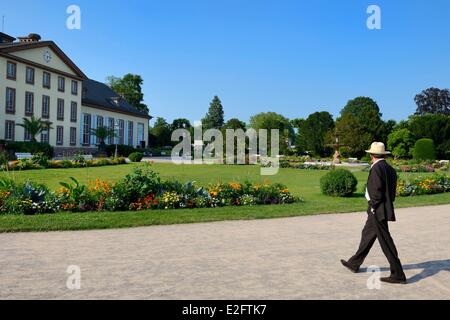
[382, 186]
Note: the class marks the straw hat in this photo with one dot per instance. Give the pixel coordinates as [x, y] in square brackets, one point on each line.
[378, 148]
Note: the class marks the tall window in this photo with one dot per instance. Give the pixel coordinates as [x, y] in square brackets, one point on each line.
[86, 129]
[10, 101]
[29, 103]
[10, 129]
[99, 125]
[61, 84]
[121, 131]
[59, 135]
[74, 87]
[45, 107]
[73, 111]
[111, 126]
[46, 79]
[29, 75]
[130, 132]
[11, 70]
[73, 136]
[60, 110]
[26, 135]
[140, 132]
[45, 136]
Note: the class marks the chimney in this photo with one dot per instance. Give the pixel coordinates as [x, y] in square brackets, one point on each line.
[4, 38]
[32, 37]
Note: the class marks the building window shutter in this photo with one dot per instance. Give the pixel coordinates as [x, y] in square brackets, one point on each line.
[81, 127]
[93, 126]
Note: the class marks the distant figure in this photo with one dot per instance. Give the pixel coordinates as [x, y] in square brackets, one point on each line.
[380, 194]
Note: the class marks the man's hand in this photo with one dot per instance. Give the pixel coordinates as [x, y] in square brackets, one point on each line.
[372, 210]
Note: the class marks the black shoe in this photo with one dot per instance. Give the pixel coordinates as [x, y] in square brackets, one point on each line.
[349, 266]
[393, 280]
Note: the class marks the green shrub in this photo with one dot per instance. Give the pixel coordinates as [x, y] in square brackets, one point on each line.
[424, 150]
[122, 150]
[338, 183]
[136, 156]
[29, 147]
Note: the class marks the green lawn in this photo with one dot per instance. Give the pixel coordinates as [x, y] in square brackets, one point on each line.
[304, 183]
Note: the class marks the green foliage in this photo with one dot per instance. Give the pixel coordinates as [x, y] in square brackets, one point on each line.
[360, 124]
[102, 133]
[312, 133]
[214, 118]
[401, 142]
[438, 183]
[122, 150]
[129, 87]
[273, 120]
[435, 127]
[180, 123]
[161, 133]
[35, 126]
[29, 147]
[338, 183]
[424, 150]
[235, 124]
[136, 156]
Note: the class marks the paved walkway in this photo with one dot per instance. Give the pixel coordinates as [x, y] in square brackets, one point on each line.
[292, 258]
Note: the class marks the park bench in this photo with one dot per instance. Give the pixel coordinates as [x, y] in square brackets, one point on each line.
[352, 160]
[23, 155]
[87, 157]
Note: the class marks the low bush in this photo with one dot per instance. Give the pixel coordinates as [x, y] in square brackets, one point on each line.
[136, 156]
[424, 149]
[338, 183]
[29, 147]
[122, 150]
[41, 162]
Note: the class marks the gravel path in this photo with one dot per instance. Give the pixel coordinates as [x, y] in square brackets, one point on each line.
[292, 258]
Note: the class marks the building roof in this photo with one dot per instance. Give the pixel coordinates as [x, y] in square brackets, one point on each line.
[7, 47]
[99, 95]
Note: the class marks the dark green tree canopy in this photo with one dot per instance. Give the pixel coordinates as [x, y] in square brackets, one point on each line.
[433, 101]
[235, 124]
[312, 132]
[214, 118]
[130, 88]
[161, 133]
[360, 124]
[181, 123]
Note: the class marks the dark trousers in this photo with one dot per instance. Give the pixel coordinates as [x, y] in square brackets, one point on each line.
[378, 229]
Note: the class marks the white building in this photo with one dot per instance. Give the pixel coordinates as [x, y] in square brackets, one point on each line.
[37, 78]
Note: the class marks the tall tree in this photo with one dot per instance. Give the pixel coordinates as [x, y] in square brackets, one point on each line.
[181, 123]
[313, 131]
[214, 118]
[161, 133]
[360, 124]
[273, 120]
[234, 124]
[130, 88]
[433, 101]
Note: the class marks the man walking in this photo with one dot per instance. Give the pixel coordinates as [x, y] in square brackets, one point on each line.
[380, 194]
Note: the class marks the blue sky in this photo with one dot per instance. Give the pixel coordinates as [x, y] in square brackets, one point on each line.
[292, 57]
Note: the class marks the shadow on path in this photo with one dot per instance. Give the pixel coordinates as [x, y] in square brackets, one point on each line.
[430, 268]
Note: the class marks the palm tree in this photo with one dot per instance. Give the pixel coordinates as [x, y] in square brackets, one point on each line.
[35, 126]
[102, 133]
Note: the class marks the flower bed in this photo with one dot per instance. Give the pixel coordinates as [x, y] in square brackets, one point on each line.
[420, 166]
[141, 190]
[42, 162]
[419, 186]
